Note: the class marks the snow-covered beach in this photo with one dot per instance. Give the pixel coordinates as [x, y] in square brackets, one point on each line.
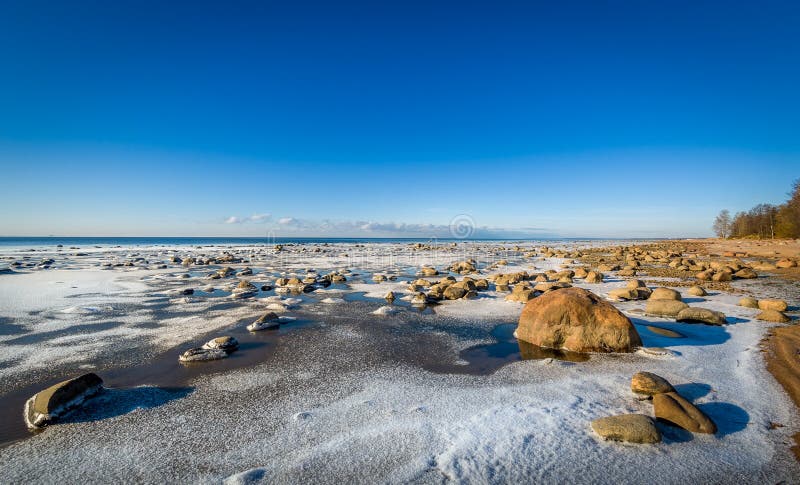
[344, 390]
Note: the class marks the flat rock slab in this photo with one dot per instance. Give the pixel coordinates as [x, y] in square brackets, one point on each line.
[664, 332]
[49, 405]
[631, 428]
[202, 354]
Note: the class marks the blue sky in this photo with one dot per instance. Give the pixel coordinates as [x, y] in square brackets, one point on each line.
[376, 119]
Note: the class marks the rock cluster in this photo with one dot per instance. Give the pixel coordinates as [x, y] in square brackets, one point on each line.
[668, 407]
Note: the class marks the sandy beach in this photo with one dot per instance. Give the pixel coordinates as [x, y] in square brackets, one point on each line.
[350, 386]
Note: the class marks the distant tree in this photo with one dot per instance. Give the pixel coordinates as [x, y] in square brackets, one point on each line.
[722, 224]
[788, 216]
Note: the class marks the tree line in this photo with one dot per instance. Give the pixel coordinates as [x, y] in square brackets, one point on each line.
[763, 221]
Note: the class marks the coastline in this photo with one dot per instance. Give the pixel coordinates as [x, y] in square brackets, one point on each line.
[782, 344]
[401, 388]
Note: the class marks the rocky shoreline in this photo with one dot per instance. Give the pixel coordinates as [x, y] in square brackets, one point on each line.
[403, 310]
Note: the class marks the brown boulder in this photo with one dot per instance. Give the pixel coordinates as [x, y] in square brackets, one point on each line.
[748, 302]
[454, 292]
[674, 409]
[650, 384]
[594, 277]
[665, 294]
[633, 428]
[773, 316]
[664, 308]
[778, 305]
[701, 315]
[577, 320]
[746, 274]
[697, 291]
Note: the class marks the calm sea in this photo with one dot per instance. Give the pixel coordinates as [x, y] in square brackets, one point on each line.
[216, 241]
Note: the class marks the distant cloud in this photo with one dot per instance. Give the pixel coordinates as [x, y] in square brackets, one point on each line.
[260, 218]
[255, 218]
[356, 228]
[296, 226]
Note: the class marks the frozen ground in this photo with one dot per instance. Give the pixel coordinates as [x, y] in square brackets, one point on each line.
[357, 397]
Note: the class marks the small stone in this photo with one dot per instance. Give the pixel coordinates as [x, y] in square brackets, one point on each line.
[594, 277]
[748, 302]
[722, 276]
[768, 304]
[773, 316]
[453, 292]
[226, 343]
[650, 384]
[664, 308]
[701, 315]
[697, 291]
[746, 274]
[264, 322]
[202, 354]
[665, 294]
[632, 428]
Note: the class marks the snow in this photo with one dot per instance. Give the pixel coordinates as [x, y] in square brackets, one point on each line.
[338, 402]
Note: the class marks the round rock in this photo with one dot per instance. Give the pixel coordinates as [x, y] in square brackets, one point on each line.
[631, 428]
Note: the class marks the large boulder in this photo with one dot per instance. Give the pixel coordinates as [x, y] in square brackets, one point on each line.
[674, 409]
[633, 428]
[701, 315]
[47, 406]
[664, 308]
[577, 320]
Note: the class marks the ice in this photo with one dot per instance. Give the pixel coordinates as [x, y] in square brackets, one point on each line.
[332, 301]
[386, 310]
[336, 403]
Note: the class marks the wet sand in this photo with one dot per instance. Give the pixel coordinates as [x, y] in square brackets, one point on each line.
[783, 361]
[783, 343]
[755, 248]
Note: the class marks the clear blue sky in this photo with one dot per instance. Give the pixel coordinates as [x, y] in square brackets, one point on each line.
[242, 118]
